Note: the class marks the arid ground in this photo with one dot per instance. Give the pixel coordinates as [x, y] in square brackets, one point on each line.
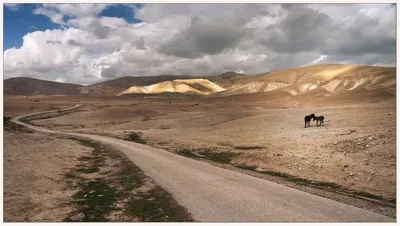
[49, 178]
[33, 179]
[254, 124]
[356, 148]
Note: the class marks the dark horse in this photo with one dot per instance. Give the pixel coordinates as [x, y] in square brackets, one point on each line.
[307, 119]
[319, 119]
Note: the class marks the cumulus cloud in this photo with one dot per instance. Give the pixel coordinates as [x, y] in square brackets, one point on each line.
[302, 29]
[54, 16]
[74, 10]
[202, 39]
[12, 6]
[140, 44]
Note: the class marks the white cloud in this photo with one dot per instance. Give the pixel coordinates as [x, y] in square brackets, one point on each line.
[322, 57]
[202, 39]
[76, 10]
[12, 6]
[53, 15]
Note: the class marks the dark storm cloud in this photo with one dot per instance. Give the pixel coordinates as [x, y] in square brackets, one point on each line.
[366, 36]
[202, 38]
[110, 72]
[382, 46]
[283, 60]
[365, 40]
[303, 29]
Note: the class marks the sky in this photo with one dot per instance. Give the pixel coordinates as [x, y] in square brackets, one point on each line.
[89, 43]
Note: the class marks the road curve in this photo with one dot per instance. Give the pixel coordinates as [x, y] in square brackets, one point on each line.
[213, 194]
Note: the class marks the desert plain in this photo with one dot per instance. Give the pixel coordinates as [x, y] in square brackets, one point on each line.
[355, 149]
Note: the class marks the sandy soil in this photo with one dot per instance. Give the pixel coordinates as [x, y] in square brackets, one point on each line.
[356, 148]
[34, 168]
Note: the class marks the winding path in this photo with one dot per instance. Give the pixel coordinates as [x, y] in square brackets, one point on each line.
[213, 194]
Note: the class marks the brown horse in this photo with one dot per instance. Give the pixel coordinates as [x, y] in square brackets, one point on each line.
[307, 119]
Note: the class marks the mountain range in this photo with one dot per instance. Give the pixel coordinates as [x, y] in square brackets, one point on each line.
[327, 79]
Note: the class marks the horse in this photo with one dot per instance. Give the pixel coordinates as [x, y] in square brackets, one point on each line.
[307, 119]
[320, 119]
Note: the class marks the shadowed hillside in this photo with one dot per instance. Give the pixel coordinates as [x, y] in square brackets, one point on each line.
[31, 86]
[227, 79]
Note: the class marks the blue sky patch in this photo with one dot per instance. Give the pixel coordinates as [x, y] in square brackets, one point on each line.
[122, 11]
[20, 21]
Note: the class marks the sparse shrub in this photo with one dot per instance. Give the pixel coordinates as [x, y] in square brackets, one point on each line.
[223, 157]
[6, 119]
[253, 168]
[146, 118]
[187, 153]
[135, 137]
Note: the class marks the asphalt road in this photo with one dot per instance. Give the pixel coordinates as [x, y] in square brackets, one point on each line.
[213, 194]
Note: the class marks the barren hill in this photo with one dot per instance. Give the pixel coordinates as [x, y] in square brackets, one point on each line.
[31, 86]
[115, 86]
[227, 79]
[319, 79]
[187, 86]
